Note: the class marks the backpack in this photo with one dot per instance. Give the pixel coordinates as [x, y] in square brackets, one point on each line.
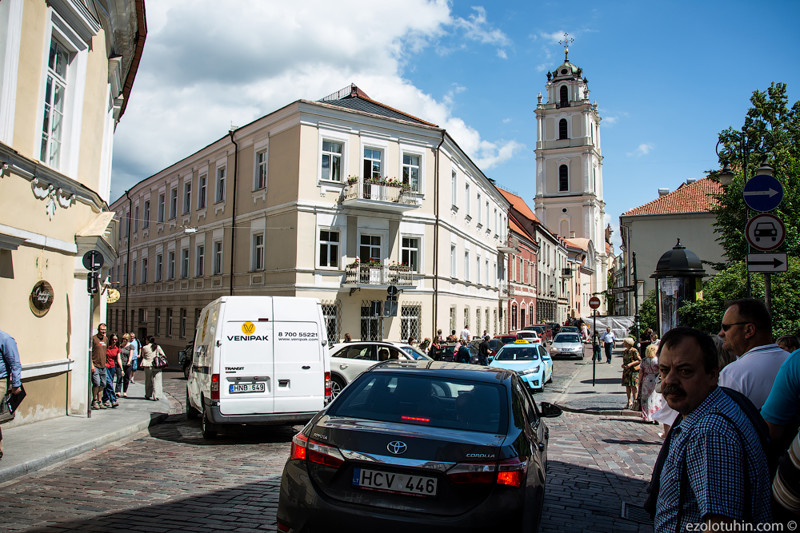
[759, 425]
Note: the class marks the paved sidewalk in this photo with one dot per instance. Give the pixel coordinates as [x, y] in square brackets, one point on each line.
[37, 445]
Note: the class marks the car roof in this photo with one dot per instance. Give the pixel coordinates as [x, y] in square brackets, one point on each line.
[445, 369]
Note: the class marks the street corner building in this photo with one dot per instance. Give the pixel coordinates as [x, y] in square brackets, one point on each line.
[67, 68]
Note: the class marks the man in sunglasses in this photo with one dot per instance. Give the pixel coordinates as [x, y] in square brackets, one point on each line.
[747, 333]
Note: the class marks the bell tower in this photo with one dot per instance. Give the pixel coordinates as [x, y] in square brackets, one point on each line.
[569, 161]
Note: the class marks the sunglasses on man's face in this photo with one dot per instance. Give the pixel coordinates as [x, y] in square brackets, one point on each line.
[726, 327]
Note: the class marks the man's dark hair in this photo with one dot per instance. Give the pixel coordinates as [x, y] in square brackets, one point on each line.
[677, 335]
[791, 342]
[755, 311]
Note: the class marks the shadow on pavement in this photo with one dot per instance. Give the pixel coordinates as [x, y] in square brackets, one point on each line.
[176, 428]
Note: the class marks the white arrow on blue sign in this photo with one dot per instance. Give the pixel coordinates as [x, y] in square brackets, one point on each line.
[763, 193]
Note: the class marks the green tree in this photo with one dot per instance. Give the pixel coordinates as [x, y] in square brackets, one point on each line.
[730, 284]
[772, 134]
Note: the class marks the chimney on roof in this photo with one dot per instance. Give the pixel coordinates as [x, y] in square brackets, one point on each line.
[662, 192]
[690, 181]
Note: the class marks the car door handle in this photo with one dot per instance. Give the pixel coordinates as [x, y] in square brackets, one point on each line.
[342, 367]
[306, 367]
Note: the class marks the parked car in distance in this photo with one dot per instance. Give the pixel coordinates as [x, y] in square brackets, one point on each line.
[529, 335]
[567, 345]
[506, 338]
[543, 330]
[570, 329]
[420, 446]
[350, 359]
[531, 361]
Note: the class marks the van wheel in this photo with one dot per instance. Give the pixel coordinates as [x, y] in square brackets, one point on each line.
[209, 430]
[337, 384]
[191, 412]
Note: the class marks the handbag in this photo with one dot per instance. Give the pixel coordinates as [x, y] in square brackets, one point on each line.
[160, 360]
[9, 404]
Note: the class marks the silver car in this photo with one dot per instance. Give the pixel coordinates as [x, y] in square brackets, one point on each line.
[567, 345]
[350, 359]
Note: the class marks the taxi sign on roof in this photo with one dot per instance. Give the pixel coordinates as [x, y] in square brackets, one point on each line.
[521, 341]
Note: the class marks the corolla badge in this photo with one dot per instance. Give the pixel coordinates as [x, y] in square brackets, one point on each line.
[397, 447]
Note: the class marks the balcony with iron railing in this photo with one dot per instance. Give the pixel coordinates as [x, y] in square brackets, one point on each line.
[378, 275]
[382, 193]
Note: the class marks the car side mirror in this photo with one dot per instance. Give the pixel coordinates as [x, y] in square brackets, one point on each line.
[549, 410]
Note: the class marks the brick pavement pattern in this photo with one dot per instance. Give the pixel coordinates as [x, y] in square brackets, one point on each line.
[170, 479]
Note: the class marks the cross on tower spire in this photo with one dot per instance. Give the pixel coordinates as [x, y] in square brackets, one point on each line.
[566, 41]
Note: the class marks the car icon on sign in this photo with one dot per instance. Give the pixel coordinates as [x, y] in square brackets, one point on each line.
[765, 229]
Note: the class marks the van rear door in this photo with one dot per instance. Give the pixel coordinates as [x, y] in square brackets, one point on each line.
[299, 355]
[246, 358]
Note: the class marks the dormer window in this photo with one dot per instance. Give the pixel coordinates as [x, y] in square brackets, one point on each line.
[562, 129]
[564, 96]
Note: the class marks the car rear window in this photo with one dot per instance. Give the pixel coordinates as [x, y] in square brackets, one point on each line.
[568, 338]
[433, 400]
[518, 353]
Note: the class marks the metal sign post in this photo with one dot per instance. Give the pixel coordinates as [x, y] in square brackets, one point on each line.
[93, 261]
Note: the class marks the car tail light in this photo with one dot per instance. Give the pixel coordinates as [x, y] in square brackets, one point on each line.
[327, 386]
[283, 527]
[215, 386]
[415, 419]
[509, 472]
[305, 449]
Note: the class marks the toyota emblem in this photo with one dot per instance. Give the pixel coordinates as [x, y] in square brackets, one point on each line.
[397, 447]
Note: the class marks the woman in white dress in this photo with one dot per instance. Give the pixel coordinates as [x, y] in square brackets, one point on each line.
[152, 375]
[652, 401]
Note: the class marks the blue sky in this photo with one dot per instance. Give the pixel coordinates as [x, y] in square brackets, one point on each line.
[667, 76]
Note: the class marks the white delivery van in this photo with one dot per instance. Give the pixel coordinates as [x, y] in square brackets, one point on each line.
[258, 360]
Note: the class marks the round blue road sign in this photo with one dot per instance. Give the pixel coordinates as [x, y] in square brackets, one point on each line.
[763, 193]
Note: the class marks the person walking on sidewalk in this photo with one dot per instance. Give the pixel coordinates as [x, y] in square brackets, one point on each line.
[136, 347]
[152, 375]
[630, 370]
[112, 362]
[10, 371]
[99, 347]
[652, 401]
[597, 354]
[125, 356]
[609, 341]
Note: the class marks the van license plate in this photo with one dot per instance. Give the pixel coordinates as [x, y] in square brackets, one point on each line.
[248, 387]
[409, 484]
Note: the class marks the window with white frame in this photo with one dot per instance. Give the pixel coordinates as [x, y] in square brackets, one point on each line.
[202, 187]
[182, 323]
[330, 313]
[411, 171]
[478, 270]
[409, 252]
[55, 97]
[486, 273]
[187, 197]
[373, 163]
[331, 164]
[173, 203]
[168, 332]
[478, 208]
[467, 198]
[159, 267]
[260, 177]
[454, 187]
[133, 275]
[157, 322]
[257, 252]
[125, 273]
[184, 263]
[146, 215]
[410, 323]
[136, 219]
[453, 261]
[217, 257]
[219, 187]
[466, 317]
[328, 248]
[466, 266]
[170, 265]
[144, 270]
[370, 248]
[161, 206]
[487, 214]
[199, 260]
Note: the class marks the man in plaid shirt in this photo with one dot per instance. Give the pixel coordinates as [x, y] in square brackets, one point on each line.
[715, 470]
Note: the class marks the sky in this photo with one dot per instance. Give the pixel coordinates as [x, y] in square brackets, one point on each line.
[667, 76]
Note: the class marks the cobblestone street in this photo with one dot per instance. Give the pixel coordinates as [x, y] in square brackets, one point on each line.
[169, 478]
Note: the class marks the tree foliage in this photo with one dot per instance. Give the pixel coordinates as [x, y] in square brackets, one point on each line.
[730, 284]
[771, 133]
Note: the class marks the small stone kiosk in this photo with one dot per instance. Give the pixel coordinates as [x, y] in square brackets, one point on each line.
[679, 277]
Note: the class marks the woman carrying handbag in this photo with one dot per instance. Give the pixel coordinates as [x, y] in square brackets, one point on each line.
[153, 362]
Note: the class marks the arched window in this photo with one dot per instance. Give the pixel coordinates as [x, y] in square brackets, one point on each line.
[564, 100]
[562, 129]
[563, 178]
[514, 317]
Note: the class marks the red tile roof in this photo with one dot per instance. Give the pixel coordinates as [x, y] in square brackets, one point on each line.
[688, 198]
[519, 204]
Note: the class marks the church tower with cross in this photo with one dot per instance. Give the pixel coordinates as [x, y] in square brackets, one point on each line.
[569, 164]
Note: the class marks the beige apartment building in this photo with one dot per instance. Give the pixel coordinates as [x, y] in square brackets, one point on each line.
[66, 72]
[343, 199]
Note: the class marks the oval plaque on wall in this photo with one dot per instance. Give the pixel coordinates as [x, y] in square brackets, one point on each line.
[41, 298]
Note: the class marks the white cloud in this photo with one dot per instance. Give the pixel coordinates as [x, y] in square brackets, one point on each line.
[209, 64]
[641, 150]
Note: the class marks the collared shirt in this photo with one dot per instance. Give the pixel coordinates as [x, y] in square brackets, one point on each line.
[9, 359]
[753, 373]
[134, 344]
[714, 468]
[782, 406]
[608, 337]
